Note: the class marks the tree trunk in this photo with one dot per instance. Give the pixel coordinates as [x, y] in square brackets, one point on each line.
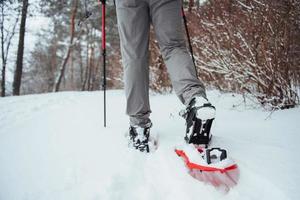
[5, 43]
[83, 88]
[2, 53]
[19, 63]
[63, 67]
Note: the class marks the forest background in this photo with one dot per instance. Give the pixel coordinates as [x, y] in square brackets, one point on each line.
[250, 47]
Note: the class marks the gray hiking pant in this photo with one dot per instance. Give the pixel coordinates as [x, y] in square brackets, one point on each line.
[134, 19]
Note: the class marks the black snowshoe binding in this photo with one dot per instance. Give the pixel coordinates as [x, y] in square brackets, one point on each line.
[199, 116]
[139, 138]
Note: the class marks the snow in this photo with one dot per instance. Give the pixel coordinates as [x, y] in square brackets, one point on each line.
[205, 112]
[54, 146]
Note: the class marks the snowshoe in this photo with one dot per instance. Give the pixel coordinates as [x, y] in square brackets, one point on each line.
[210, 166]
[199, 116]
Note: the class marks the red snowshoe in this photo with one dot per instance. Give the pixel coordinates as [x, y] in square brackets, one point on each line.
[210, 166]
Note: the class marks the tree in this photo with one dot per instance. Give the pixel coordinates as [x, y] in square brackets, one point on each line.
[79, 68]
[72, 33]
[19, 62]
[7, 33]
[249, 47]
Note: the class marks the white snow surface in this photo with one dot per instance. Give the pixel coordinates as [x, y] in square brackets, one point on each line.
[204, 113]
[54, 146]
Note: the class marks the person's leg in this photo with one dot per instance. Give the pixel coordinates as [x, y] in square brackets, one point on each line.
[133, 22]
[168, 26]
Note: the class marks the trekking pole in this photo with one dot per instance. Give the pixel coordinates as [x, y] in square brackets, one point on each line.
[188, 37]
[104, 55]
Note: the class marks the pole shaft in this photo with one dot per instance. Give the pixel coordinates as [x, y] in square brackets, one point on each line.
[104, 56]
[188, 38]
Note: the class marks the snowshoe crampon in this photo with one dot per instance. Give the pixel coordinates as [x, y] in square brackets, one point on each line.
[210, 166]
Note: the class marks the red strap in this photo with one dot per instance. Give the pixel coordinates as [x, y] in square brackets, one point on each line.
[191, 165]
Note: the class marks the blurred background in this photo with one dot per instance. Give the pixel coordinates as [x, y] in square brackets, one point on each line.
[250, 47]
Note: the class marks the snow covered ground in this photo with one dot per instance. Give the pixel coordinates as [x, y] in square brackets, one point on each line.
[54, 146]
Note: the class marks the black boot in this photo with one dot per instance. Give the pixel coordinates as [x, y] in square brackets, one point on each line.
[199, 116]
[139, 137]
